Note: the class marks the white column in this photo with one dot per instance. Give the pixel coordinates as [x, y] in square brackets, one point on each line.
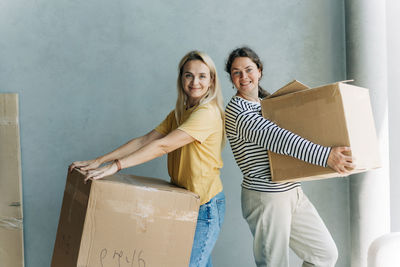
[367, 65]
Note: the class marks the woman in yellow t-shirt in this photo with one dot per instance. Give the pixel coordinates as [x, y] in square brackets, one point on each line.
[192, 136]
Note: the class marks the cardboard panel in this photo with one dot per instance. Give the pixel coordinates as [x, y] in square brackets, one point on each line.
[332, 115]
[11, 230]
[72, 219]
[125, 220]
[360, 123]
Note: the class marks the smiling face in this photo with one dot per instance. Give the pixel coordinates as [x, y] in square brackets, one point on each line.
[196, 80]
[245, 76]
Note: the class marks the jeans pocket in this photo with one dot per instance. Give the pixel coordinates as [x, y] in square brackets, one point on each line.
[205, 212]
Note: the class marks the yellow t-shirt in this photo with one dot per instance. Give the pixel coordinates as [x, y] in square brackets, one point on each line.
[196, 166]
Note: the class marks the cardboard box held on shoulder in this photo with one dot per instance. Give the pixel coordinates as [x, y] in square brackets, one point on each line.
[124, 220]
[336, 114]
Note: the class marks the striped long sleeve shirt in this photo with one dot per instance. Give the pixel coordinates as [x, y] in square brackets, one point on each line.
[251, 136]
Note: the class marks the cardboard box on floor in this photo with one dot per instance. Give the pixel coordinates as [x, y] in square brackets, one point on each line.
[336, 114]
[11, 225]
[125, 220]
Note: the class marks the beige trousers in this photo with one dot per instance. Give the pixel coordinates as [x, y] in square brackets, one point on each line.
[288, 219]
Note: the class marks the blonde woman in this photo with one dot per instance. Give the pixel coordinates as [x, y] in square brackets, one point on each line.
[192, 136]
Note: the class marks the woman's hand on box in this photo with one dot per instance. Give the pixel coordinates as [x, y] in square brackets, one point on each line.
[86, 165]
[102, 172]
[340, 160]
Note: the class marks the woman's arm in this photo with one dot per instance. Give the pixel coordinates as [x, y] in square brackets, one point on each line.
[122, 151]
[151, 150]
[252, 127]
[256, 129]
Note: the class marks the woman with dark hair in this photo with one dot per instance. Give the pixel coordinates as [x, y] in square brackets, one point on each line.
[192, 135]
[279, 214]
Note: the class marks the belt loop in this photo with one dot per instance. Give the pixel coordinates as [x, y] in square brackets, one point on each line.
[299, 193]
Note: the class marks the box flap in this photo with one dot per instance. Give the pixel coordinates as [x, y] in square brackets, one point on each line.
[293, 86]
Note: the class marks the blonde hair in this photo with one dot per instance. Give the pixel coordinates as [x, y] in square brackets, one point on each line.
[214, 94]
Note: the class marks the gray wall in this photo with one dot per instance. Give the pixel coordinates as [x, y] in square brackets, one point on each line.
[93, 74]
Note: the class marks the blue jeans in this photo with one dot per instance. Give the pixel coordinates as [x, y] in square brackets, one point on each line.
[209, 221]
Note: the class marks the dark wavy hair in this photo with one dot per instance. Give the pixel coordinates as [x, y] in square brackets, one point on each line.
[249, 53]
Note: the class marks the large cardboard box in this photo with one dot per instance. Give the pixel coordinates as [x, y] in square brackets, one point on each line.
[125, 220]
[336, 114]
[11, 225]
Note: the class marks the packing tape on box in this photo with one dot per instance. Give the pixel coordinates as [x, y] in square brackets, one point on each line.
[147, 210]
[11, 223]
[11, 122]
[177, 215]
